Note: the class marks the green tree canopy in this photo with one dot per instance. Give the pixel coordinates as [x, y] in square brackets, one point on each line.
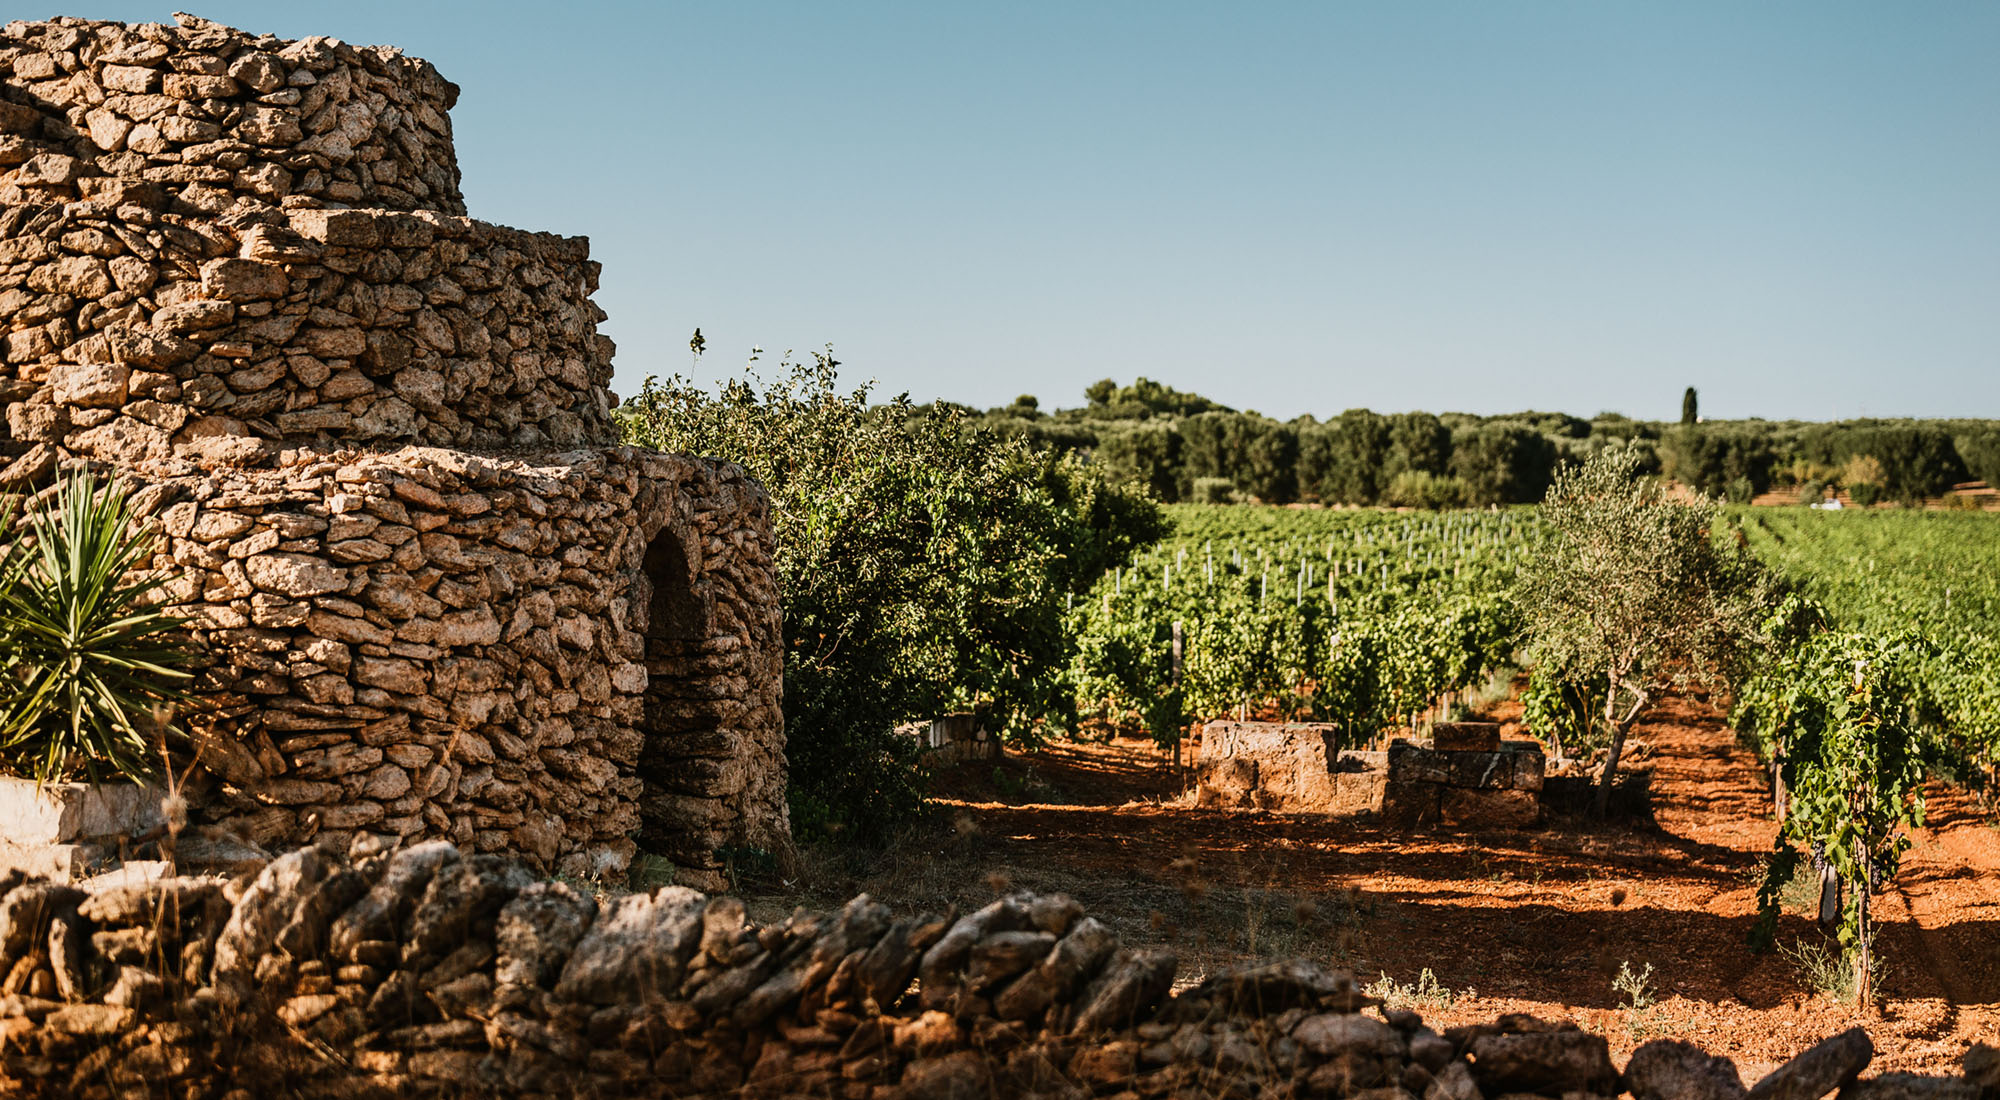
[1635, 589]
[924, 566]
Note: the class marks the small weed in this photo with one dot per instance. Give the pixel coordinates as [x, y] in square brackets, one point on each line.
[1427, 995]
[1637, 999]
[1637, 987]
[1822, 967]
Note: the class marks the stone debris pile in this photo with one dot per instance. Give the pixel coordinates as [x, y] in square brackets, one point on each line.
[427, 971]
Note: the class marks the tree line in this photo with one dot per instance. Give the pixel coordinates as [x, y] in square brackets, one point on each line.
[1181, 446]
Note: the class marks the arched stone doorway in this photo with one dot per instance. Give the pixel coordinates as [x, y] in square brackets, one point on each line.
[690, 764]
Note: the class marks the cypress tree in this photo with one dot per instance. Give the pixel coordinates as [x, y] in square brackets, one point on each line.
[1688, 407]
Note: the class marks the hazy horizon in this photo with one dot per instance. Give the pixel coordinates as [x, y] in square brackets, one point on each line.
[1289, 208]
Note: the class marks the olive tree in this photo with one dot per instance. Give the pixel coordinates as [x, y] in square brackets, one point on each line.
[1633, 589]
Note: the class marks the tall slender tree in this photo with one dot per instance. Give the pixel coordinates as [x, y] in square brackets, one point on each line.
[1689, 410]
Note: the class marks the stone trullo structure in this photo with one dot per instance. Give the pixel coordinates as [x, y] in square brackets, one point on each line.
[432, 597]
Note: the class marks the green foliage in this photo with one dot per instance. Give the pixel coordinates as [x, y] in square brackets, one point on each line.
[1213, 490]
[925, 566]
[1564, 710]
[1929, 573]
[1709, 458]
[1854, 725]
[1257, 455]
[89, 664]
[1422, 489]
[1501, 462]
[1143, 399]
[1913, 459]
[1633, 588]
[1342, 461]
[1355, 618]
[1144, 456]
[1690, 409]
[1979, 449]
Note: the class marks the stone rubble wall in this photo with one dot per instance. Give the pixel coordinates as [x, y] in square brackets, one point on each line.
[209, 115]
[430, 972]
[142, 338]
[428, 643]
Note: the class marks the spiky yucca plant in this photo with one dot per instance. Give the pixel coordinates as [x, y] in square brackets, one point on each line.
[87, 661]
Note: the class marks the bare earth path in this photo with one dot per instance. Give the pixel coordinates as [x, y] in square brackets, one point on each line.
[1505, 920]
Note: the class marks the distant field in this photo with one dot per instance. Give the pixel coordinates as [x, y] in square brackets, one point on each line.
[1364, 616]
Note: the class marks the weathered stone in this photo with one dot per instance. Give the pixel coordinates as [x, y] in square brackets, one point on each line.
[90, 385]
[537, 932]
[1548, 1061]
[235, 258]
[240, 280]
[636, 948]
[1910, 1086]
[1820, 1069]
[1668, 1069]
[1130, 988]
[294, 575]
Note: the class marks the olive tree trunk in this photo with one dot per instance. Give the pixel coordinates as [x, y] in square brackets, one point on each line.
[1619, 726]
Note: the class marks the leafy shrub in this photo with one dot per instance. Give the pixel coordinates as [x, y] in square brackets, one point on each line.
[1852, 723]
[87, 662]
[1423, 489]
[1213, 490]
[924, 564]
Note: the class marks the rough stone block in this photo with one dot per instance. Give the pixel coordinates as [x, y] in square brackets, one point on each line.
[63, 813]
[1292, 764]
[1408, 805]
[1466, 736]
[1488, 808]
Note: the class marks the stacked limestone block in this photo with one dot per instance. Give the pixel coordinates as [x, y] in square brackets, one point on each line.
[430, 972]
[209, 112]
[432, 599]
[1466, 776]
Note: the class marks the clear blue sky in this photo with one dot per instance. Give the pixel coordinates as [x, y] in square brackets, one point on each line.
[1289, 207]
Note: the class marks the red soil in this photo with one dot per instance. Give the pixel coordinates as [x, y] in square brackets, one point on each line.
[1536, 920]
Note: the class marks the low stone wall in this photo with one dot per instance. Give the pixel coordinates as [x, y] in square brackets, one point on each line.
[1296, 768]
[543, 657]
[207, 112]
[428, 972]
[952, 739]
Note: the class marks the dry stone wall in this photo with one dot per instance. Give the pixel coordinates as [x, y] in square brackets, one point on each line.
[430, 596]
[207, 115]
[427, 971]
[428, 642]
[130, 342]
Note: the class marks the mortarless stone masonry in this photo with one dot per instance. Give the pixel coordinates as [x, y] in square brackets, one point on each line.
[430, 972]
[433, 599]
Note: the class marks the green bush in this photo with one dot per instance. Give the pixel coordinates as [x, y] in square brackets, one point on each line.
[1421, 489]
[1213, 490]
[925, 567]
[88, 664]
[1853, 724]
